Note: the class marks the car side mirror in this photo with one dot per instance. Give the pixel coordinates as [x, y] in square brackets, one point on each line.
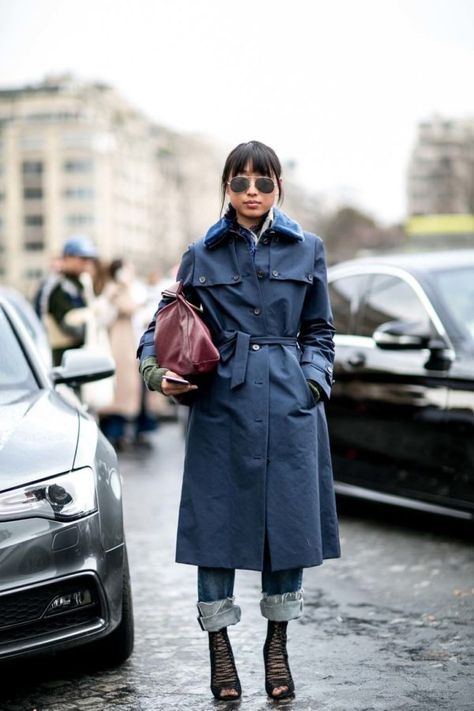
[441, 356]
[401, 335]
[82, 365]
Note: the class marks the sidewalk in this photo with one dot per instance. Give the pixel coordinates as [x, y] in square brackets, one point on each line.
[383, 627]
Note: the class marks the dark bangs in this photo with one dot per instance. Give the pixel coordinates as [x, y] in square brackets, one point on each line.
[264, 161]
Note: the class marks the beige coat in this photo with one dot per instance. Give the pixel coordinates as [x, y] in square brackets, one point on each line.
[128, 385]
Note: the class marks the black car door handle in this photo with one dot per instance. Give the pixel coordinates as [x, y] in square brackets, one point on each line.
[356, 360]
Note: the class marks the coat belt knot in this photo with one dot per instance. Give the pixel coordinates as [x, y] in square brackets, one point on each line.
[238, 344]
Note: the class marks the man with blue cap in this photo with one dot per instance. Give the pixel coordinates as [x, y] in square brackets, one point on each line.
[63, 299]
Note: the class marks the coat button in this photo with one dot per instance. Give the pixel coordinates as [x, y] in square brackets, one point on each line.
[260, 275]
[236, 277]
[275, 273]
[202, 279]
[255, 347]
[310, 277]
[265, 240]
[257, 311]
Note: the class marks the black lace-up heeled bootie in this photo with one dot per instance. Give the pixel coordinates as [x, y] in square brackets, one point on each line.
[277, 670]
[223, 671]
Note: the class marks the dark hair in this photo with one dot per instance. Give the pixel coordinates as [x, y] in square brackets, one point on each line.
[114, 267]
[263, 159]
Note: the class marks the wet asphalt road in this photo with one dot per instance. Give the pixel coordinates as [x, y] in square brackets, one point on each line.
[387, 627]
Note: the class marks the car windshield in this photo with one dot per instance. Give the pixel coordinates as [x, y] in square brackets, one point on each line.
[457, 290]
[16, 377]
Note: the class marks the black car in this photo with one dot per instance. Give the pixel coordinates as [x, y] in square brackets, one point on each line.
[401, 414]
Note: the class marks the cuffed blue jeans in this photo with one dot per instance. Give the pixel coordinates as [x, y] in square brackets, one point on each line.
[282, 596]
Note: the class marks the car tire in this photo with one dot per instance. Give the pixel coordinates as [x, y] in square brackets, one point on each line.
[113, 650]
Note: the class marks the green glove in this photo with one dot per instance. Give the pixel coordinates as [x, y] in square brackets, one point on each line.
[152, 374]
[315, 389]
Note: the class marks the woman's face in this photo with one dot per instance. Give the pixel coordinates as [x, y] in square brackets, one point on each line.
[251, 204]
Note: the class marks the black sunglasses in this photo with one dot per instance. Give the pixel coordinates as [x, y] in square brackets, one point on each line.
[241, 183]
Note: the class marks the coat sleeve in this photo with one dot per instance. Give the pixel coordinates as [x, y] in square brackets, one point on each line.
[316, 336]
[146, 347]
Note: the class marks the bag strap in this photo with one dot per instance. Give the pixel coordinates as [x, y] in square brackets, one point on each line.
[174, 290]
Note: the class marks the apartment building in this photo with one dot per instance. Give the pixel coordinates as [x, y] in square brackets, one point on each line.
[441, 170]
[77, 158]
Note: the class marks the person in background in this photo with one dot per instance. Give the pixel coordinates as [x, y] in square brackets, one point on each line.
[55, 266]
[116, 418]
[154, 406]
[62, 301]
[258, 490]
[101, 313]
[100, 275]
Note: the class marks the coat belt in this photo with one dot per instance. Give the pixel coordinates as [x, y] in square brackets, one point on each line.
[238, 344]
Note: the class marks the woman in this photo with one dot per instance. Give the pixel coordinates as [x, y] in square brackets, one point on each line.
[257, 489]
[122, 411]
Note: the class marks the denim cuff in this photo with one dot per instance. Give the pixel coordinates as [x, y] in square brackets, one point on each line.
[213, 616]
[281, 608]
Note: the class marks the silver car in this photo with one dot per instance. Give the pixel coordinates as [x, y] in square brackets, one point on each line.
[30, 321]
[64, 575]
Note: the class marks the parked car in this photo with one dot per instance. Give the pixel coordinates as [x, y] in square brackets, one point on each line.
[64, 575]
[30, 320]
[401, 415]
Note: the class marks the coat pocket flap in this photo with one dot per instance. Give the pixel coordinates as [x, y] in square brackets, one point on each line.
[300, 268]
[292, 274]
[209, 272]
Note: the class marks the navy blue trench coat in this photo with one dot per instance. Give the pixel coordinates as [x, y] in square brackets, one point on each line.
[257, 458]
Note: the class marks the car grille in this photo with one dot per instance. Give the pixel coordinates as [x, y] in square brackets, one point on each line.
[23, 613]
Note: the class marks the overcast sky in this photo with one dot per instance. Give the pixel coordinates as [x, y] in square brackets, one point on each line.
[336, 85]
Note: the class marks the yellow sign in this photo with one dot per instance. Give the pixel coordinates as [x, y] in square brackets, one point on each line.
[440, 224]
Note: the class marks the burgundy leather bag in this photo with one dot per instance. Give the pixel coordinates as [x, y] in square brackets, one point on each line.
[183, 342]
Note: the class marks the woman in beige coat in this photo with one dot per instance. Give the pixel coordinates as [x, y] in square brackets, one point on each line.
[125, 406]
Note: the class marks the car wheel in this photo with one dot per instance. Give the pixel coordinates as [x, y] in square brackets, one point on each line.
[113, 650]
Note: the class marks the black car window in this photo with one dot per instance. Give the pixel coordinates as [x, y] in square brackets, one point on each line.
[391, 299]
[457, 290]
[345, 294]
[16, 377]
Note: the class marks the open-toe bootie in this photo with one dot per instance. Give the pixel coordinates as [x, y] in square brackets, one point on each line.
[277, 670]
[225, 683]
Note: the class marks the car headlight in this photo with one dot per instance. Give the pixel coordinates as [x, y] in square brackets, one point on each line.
[63, 498]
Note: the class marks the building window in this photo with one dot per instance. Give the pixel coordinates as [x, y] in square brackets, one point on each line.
[34, 246]
[77, 140]
[32, 167]
[34, 220]
[33, 273]
[78, 166]
[79, 193]
[32, 143]
[33, 193]
[53, 116]
[79, 220]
